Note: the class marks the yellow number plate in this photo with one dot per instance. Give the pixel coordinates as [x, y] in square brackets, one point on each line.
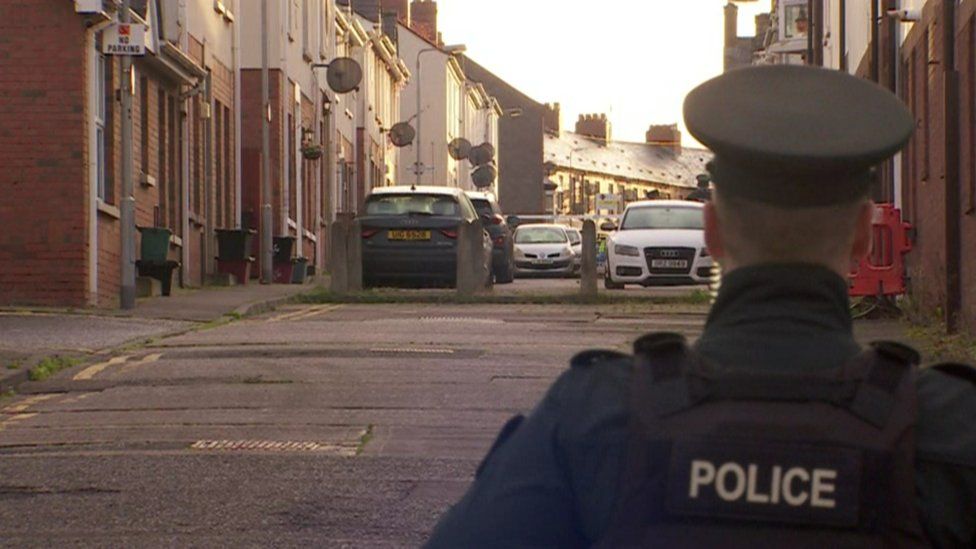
[408, 235]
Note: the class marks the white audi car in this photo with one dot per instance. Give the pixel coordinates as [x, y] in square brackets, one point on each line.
[659, 242]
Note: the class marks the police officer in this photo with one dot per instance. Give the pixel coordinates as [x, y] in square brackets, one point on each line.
[775, 428]
[702, 193]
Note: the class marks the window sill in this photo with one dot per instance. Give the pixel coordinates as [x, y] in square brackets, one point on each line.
[292, 224]
[176, 241]
[108, 209]
[147, 180]
[310, 236]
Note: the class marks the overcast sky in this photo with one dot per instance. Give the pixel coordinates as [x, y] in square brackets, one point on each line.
[633, 59]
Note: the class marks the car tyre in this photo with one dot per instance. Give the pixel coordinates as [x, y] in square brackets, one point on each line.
[609, 284]
[506, 275]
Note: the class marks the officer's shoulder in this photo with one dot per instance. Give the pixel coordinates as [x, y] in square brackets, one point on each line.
[946, 406]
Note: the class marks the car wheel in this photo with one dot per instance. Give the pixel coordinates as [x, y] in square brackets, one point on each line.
[506, 274]
[608, 282]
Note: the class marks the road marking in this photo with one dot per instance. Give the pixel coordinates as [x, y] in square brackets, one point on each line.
[26, 403]
[90, 371]
[304, 313]
[148, 359]
[14, 418]
[315, 311]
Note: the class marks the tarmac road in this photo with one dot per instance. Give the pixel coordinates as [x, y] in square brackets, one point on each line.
[325, 425]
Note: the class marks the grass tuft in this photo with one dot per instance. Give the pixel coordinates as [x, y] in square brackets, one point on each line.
[51, 365]
[364, 439]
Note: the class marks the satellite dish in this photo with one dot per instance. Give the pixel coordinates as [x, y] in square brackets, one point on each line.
[459, 148]
[402, 134]
[344, 74]
[482, 154]
[484, 176]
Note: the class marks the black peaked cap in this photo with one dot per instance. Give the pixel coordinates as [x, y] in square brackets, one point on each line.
[796, 136]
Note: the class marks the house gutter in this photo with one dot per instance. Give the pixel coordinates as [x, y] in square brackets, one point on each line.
[953, 208]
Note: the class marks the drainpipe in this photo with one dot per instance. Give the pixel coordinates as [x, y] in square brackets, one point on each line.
[810, 22]
[208, 206]
[238, 121]
[953, 209]
[875, 45]
[842, 38]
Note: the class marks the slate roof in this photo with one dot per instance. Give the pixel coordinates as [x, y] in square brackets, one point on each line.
[635, 161]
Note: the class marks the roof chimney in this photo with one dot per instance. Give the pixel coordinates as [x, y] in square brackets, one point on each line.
[664, 135]
[399, 7]
[552, 119]
[423, 18]
[731, 24]
[596, 126]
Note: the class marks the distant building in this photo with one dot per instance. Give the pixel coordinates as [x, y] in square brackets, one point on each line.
[592, 174]
[741, 51]
[520, 143]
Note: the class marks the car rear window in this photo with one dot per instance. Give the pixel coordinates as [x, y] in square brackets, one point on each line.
[483, 207]
[661, 217]
[412, 204]
[539, 235]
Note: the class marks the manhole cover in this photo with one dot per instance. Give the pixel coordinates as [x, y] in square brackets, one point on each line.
[413, 350]
[275, 446]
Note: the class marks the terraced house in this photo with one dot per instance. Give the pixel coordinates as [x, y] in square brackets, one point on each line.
[60, 143]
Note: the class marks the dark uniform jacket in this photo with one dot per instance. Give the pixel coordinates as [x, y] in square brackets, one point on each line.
[553, 482]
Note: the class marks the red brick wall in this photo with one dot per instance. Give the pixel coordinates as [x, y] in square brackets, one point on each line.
[43, 147]
[924, 165]
[251, 114]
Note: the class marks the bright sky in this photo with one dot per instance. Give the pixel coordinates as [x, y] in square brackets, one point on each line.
[633, 59]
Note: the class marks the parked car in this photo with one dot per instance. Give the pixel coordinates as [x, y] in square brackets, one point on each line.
[503, 250]
[543, 249]
[410, 235]
[576, 243]
[659, 242]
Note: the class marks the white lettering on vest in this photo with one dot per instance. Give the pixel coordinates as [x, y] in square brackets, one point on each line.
[796, 486]
[822, 484]
[702, 473]
[740, 481]
[752, 496]
[789, 497]
[774, 488]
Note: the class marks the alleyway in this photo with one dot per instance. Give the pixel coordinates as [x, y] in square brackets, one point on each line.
[350, 425]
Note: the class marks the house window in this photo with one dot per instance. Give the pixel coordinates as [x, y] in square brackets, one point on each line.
[305, 31]
[144, 124]
[290, 162]
[228, 162]
[162, 165]
[103, 127]
[219, 162]
[196, 196]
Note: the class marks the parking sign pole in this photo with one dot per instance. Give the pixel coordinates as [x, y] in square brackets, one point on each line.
[128, 206]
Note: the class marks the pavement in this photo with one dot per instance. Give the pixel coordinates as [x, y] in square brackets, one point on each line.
[29, 335]
[327, 425]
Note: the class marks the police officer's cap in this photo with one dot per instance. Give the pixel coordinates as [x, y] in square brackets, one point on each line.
[796, 136]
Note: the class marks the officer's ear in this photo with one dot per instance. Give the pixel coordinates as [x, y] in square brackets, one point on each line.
[713, 231]
[862, 232]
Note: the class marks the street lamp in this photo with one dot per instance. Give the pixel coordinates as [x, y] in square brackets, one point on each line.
[454, 49]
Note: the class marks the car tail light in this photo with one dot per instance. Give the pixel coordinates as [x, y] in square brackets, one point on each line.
[450, 233]
[498, 241]
[369, 233]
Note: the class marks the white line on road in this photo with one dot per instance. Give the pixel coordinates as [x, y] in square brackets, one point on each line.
[90, 371]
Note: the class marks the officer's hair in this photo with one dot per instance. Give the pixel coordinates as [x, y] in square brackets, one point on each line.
[753, 232]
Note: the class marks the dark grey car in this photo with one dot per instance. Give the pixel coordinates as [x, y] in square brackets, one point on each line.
[503, 248]
[409, 235]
